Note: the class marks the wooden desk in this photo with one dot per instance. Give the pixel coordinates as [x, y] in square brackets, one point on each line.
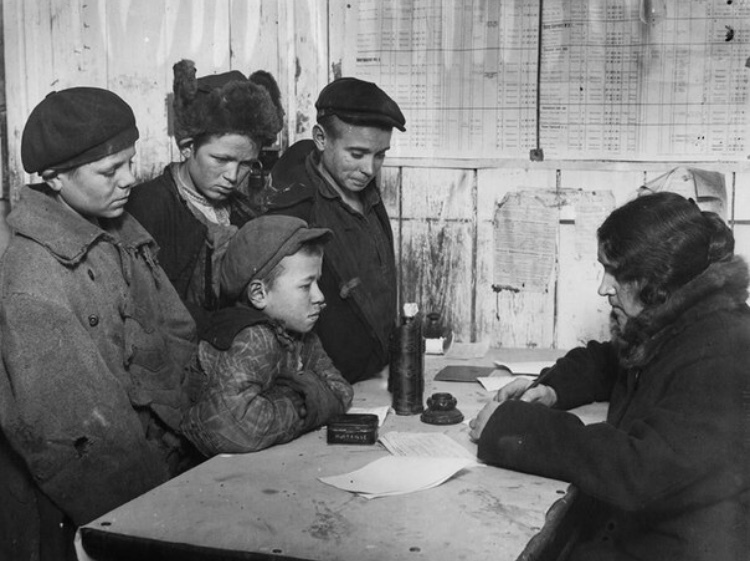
[270, 504]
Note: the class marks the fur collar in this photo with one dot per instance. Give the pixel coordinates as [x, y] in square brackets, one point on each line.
[722, 286]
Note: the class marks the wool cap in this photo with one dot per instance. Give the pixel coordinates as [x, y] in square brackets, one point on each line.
[225, 103]
[260, 245]
[76, 126]
[358, 102]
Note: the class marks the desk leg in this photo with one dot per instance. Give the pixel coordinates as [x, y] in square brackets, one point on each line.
[561, 530]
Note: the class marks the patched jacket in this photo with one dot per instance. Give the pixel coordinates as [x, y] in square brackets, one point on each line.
[359, 274]
[668, 473]
[95, 343]
[264, 385]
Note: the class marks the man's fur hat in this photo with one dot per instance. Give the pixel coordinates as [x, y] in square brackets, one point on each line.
[226, 103]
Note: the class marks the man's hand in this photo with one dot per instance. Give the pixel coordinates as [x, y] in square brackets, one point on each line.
[519, 389]
[478, 423]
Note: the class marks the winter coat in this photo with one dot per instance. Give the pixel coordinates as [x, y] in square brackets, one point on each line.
[184, 250]
[95, 344]
[668, 473]
[359, 275]
[260, 377]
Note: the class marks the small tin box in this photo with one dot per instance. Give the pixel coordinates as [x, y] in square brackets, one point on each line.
[353, 429]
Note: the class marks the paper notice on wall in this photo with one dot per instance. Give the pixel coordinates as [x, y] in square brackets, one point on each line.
[590, 211]
[525, 226]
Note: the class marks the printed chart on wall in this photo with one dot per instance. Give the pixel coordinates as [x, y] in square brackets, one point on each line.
[619, 79]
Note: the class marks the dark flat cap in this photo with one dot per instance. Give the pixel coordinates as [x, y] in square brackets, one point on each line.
[76, 126]
[260, 245]
[359, 102]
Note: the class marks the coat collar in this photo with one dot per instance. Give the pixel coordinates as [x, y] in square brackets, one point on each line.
[226, 323]
[65, 233]
[723, 286]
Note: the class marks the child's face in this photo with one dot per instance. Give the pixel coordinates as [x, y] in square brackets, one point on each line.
[295, 298]
[98, 189]
[220, 165]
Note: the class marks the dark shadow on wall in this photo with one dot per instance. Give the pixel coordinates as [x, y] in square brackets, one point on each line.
[4, 184]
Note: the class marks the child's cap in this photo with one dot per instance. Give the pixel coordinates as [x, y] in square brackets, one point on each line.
[260, 245]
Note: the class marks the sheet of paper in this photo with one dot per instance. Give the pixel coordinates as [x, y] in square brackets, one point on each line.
[617, 82]
[454, 67]
[424, 445]
[494, 383]
[397, 475]
[381, 412]
[525, 242]
[526, 368]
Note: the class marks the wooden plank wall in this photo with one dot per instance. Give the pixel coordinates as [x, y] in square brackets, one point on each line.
[441, 211]
[129, 46]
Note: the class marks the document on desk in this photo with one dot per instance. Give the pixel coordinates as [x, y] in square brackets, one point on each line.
[424, 445]
[398, 475]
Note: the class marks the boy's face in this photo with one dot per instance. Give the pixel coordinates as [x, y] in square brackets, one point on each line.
[99, 189]
[353, 155]
[221, 164]
[295, 298]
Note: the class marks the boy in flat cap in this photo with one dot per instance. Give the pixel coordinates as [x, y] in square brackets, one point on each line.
[268, 378]
[95, 342]
[331, 182]
[221, 122]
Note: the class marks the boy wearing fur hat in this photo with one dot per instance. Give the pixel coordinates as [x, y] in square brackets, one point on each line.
[95, 342]
[221, 122]
[268, 378]
[331, 182]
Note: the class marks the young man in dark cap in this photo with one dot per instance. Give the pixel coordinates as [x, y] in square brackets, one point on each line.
[221, 122]
[331, 182]
[95, 342]
[269, 379]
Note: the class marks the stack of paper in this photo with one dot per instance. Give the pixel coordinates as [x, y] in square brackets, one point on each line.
[424, 445]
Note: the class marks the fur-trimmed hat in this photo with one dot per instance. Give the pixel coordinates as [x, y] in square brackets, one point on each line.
[226, 103]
